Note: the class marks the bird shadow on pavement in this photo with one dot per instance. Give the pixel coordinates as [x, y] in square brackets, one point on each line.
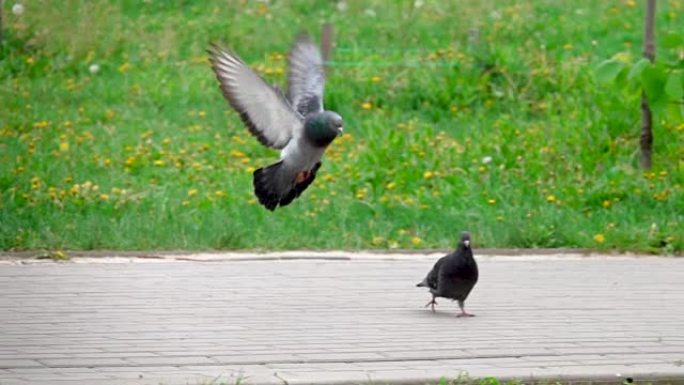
[450, 313]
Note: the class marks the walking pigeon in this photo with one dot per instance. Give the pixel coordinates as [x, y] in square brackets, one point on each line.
[297, 125]
[453, 276]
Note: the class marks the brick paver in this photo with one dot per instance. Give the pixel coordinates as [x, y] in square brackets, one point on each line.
[338, 321]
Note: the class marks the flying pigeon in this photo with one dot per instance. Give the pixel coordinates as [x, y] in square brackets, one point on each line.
[453, 276]
[297, 125]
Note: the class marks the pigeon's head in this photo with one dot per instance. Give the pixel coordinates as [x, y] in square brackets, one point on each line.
[465, 239]
[323, 127]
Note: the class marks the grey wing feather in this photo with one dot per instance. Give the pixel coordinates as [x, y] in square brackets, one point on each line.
[306, 77]
[432, 279]
[263, 109]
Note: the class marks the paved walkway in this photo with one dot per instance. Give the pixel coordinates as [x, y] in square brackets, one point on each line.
[337, 321]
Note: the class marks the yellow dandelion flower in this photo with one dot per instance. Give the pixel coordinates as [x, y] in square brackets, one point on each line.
[361, 193]
[64, 147]
[192, 192]
[376, 79]
[599, 238]
[75, 190]
[551, 198]
[237, 154]
[159, 163]
[567, 47]
[416, 241]
[124, 67]
[428, 175]
[107, 162]
[250, 169]
[606, 203]
[30, 60]
[391, 185]
[220, 193]
[377, 241]
[35, 183]
[366, 105]
[202, 114]
[104, 197]
[41, 124]
[491, 201]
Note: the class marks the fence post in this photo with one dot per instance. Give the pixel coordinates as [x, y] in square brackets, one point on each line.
[326, 44]
[2, 7]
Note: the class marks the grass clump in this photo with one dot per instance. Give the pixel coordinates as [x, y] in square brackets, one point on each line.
[483, 116]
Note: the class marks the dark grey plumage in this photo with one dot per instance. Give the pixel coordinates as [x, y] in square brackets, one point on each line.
[453, 276]
[297, 124]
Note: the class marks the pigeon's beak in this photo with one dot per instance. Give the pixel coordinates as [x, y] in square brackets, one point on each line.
[466, 243]
[340, 130]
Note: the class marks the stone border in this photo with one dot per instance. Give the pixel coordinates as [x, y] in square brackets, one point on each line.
[563, 379]
[107, 256]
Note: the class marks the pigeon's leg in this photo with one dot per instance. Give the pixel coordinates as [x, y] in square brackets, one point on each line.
[302, 176]
[432, 303]
[463, 312]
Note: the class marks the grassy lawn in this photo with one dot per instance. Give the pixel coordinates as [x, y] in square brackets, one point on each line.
[504, 132]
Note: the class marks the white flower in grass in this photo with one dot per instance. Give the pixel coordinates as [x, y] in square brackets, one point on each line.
[94, 68]
[487, 160]
[18, 9]
[342, 6]
[418, 3]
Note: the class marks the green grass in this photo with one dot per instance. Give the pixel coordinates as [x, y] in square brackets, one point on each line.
[146, 154]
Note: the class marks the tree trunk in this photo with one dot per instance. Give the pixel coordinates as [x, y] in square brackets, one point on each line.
[646, 115]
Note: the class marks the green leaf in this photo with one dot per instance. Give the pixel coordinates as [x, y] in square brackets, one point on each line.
[607, 71]
[675, 112]
[638, 68]
[674, 88]
[672, 40]
[653, 81]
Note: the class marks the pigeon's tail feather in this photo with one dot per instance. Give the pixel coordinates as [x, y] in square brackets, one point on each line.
[272, 184]
[303, 180]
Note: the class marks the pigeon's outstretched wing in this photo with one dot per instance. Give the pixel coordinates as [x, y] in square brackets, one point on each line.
[305, 76]
[262, 108]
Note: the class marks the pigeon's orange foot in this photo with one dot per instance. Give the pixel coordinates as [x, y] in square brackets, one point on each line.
[431, 303]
